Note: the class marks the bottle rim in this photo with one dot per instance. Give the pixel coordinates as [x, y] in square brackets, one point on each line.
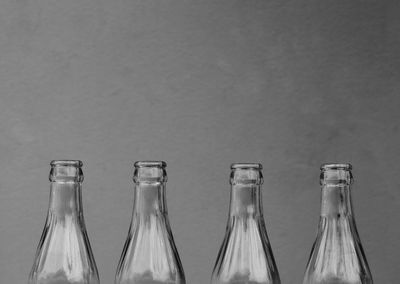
[336, 166]
[66, 163]
[66, 171]
[255, 166]
[150, 164]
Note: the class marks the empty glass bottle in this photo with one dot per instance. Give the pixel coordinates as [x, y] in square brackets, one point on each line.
[149, 255]
[64, 255]
[337, 256]
[245, 256]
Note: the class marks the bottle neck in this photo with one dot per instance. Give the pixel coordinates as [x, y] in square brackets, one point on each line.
[65, 199]
[149, 199]
[245, 201]
[336, 201]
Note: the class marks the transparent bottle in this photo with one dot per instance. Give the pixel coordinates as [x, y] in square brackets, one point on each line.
[149, 255]
[337, 256]
[64, 255]
[245, 256]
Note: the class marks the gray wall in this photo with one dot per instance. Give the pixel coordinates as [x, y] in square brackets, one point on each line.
[200, 84]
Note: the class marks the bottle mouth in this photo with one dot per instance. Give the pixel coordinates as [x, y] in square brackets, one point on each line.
[336, 166]
[150, 172]
[66, 171]
[336, 174]
[71, 163]
[245, 166]
[150, 164]
[246, 174]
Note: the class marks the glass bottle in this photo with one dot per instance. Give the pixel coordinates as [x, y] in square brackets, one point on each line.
[149, 255]
[245, 256]
[337, 256]
[64, 255]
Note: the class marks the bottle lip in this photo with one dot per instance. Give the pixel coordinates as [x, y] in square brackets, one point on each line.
[246, 174]
[246, 166]
[336, 166]
[66, 171]
[337, 175]
[66, 163]
[150, 172]
[150, 164]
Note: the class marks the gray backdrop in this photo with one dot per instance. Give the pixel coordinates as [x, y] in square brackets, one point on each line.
[200, 84]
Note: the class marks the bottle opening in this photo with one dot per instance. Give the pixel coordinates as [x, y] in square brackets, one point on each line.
[255, 166]
[332, 166]
[150, 171]
[150, 164]
[246, 173]
[66, 171]
[336, 174]
[72, 163]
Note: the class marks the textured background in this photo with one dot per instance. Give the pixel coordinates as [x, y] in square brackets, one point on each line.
[200, 84]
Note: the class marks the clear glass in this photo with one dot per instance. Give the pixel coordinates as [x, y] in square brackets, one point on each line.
[245, 256]
[149, 255]
[64, 255]
[337, 256]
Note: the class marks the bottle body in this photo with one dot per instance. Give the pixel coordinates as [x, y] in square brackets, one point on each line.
[337, 256]
[245, 256]
[64, 255]
[150, 255]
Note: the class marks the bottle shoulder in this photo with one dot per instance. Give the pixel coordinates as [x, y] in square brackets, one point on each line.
[245, 255]
[337, 255]
[63, 254]
[150, 254]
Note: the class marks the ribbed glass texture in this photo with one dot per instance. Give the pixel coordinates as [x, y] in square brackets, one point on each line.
[245, 256]
[149, 255]
[64, 255]
[337, 256]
